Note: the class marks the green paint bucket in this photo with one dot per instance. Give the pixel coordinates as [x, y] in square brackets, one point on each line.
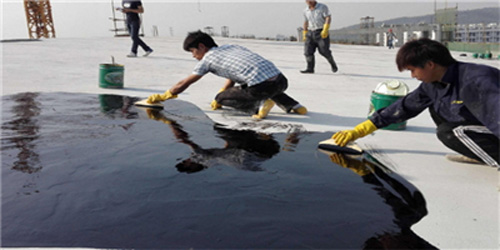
[111, 76]
[385, 94]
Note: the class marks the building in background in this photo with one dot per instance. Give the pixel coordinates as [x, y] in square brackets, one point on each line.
[479, 38]
[478, 33]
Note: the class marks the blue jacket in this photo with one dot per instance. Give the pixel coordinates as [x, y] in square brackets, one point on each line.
[468, 93]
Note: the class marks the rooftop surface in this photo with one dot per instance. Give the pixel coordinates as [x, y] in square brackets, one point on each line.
[462, 199]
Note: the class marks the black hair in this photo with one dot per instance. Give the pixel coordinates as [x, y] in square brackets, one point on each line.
[193, 39]
[417, 53]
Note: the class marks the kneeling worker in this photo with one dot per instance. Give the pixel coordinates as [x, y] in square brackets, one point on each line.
[463, 100]
[261, 84]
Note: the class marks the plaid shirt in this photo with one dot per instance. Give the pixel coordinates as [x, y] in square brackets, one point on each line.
[237, 64]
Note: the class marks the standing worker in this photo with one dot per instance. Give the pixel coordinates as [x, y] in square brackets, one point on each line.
[391, 39]
[133, 8]
[317, 18]
[463, 100]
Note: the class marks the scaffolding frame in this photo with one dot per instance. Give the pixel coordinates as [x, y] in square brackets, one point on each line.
[366, 23]
[39, 19]
[447, 19]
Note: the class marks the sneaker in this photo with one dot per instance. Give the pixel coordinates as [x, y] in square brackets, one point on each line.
[147, 53]
[462, 159]
[307, 71]
[264, 109]
[132, 54]
[299, 109]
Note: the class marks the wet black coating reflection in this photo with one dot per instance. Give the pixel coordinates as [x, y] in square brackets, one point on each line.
[244, 150]
[21, 132]
[118, 176]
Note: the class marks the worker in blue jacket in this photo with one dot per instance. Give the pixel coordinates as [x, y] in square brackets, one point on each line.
[463, 100]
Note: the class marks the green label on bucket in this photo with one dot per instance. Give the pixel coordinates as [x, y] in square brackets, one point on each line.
[111, 76]
[114, 78]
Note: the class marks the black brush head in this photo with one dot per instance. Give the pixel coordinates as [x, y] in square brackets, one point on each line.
[144, 103]
[339, 149]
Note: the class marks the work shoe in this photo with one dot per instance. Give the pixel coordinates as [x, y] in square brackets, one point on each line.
[462, 159]
[334, 68]
[147, 53]
[307, 71]
[264, 109]
[299, 109]
[132, 54]
[333, 64]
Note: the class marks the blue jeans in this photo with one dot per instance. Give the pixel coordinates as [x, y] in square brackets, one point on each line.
[133, 29]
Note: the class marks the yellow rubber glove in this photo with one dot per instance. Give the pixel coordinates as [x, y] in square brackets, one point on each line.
[343, 137]
[304, 35]
[161, 97]
[325, 31]
[214, 104]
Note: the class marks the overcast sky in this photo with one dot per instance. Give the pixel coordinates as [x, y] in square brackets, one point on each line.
[74, 18]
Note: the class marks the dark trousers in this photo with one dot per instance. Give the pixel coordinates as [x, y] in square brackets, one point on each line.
[248, 99]
[315, 42]
[133, 28]
[472, 140]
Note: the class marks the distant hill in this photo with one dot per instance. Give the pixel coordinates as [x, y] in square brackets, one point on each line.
[485, 15]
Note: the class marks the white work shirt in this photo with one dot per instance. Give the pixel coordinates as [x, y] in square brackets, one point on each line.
[317, 16]
[236, 63]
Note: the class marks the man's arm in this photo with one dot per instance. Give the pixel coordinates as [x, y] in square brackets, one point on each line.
[176, 89]
[229, 84]
[184, 84]
[401, 110]
[326, 27]
[328, 20]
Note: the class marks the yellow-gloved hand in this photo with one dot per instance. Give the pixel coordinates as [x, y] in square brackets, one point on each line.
[343, 137]
[215, 105]
[326, 30]
[154, 98]
[304, 35]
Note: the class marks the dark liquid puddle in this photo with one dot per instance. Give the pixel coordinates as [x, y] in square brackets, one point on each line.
[95, 171]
